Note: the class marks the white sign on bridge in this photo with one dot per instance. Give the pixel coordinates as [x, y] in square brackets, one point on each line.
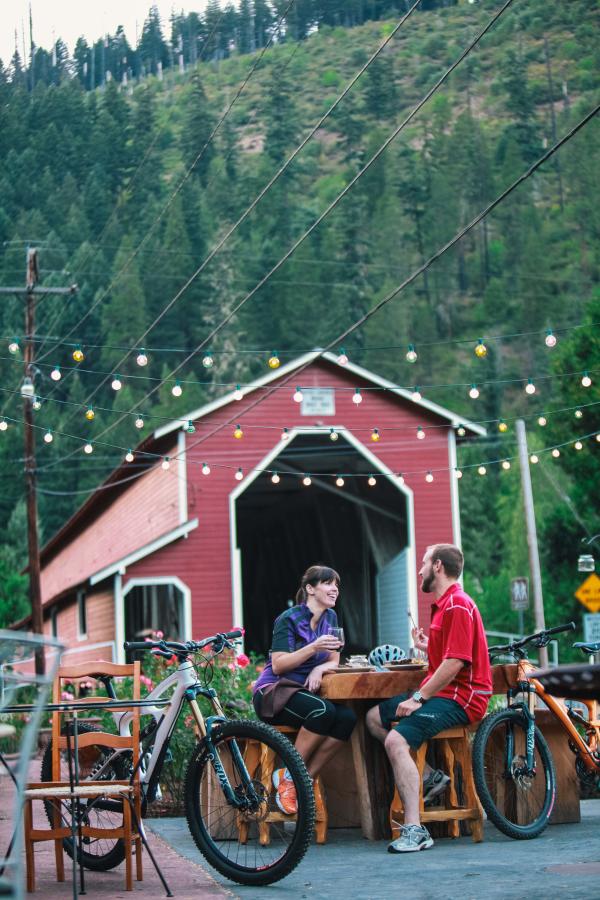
[591, 628]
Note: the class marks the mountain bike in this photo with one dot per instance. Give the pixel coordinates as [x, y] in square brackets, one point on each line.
[230, 804]
[512, 764]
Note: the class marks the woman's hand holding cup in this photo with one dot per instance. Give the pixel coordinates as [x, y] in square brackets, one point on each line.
[326, 642]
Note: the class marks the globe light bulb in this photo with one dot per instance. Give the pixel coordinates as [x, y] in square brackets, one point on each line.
[275, 478]
[116, 384]
[534, 458]
[333, 435]
[416, 394]
[88, 448]
[375, 436]
[298, 396]
[285, 434]
[586, 381]
[177, 390]
[598, 437]
[139, 422]
[56, 374]
[27, 388]
[166, 463]
[78, 355]
[542, 420]
[420, 433]
[190, 427]
[129, 456]
[556, 453]
[482, 470]
[411, 354]
[480, 349]
[371, 481]
[502, 426]
[578, 413]
[342, 357]
[205, 469]
[207, 361]
[239, 475]
[506, 464]
[48, 437]
[3, 424]
[474, 392]
[274, 361]
[340, 481]
[429, 477]
[458, 473]
[141, 359]
[578, 445]
[530, 387]
[307, 481]
[37, 403]
[357, 396]
[13, 347]
[90, 414]
[550, 340]
[238, 433]
[237, 394]
[461, 431]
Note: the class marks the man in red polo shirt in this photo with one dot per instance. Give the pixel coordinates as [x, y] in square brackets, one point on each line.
[456, 690]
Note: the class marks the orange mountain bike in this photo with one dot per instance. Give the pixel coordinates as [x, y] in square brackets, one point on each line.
[512, 764]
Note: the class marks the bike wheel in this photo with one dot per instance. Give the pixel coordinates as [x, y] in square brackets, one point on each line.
[98, 854]
[517, 802]
[262, 844]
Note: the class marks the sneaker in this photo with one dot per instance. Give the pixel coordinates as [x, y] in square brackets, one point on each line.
[412, 838]
[434, 785]
[286, 792]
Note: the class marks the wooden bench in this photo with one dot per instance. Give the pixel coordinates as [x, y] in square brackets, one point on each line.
[453, 750]
[258, 756]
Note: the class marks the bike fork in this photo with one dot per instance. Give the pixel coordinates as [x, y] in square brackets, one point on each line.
[219, 769]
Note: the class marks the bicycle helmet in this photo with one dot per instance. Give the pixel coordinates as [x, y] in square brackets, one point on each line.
[386, 653]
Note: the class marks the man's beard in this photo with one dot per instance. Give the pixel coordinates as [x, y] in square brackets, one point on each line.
[427, 585]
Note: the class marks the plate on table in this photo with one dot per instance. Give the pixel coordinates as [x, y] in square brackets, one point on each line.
[406, 664]
[347, 668]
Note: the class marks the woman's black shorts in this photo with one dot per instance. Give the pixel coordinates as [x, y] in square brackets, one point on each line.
[306, 710]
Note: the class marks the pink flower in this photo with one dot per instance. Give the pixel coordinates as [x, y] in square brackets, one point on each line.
[147, 681]
[231, 666]
[159, 635]
[66, 695]
[189, 721]
[242, 660]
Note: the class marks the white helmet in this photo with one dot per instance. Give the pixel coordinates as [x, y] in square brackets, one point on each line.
[386, 653]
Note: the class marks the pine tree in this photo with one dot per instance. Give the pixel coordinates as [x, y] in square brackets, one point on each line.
[197, 130]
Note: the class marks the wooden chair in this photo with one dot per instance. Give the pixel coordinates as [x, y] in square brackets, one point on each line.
[258, 756]
[60, 792]
[453, 749]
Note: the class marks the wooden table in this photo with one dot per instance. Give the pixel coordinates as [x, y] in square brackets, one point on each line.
[367, 763]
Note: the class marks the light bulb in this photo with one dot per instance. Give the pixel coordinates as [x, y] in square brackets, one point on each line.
[502, 426]
[238, 433]
[400, 478]
[461, 431]
[78, 355]
[357, 396]
[340, 481]
[27, 388]
[165, 463]
[578, 445]
[480, 349]
[534, 458]
[416, 394]
[598, 437]
[371, 481]
[116, 384]
[13, 347]
[37, 403]
[458, 473]
[190, 427]
[429, 477]
[506, 464]
[333, 435]
[420, 433]
[207, 361]
[205, 469]
[274, 361]
[48, 437]
[297, 396]
[88, 448]
[411, 354]
[542, 420]
[55, 374]
[307, 481]
[239, 475]
[482, 470]
[578, 414]
[141, 359]
[474, 392]
[342, 357]
[556, 453]
[530, 387]
[139, 422]
[275, 478]
[586, 381]
[550, 339]
[285, 434]
[3, 424]
[129, 456]
[375, 436]
[237, 394]
[177, 390]
[90, 414]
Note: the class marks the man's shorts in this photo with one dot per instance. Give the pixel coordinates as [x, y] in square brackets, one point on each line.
[434, 716]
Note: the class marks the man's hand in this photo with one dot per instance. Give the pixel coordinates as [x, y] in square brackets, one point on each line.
[314, 679]
[420, 639]
[407, 708]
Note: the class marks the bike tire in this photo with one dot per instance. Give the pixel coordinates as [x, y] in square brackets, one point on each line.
[518, 804]
[110, 853]
[229, 855]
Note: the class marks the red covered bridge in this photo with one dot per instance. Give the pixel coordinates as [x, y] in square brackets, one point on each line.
[191, 553]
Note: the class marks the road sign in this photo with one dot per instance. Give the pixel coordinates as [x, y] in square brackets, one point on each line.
[588, 593]
[519, 594]
[591, 628]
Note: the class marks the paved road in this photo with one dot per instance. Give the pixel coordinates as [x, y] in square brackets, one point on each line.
[563, 862]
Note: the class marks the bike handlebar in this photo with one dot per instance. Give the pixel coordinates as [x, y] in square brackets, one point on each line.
[188, 647]
[540, 636]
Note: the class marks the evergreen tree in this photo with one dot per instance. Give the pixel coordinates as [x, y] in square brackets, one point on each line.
[124, 310]
[197, 130]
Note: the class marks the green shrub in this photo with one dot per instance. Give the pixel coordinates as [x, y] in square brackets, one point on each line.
[330, 78]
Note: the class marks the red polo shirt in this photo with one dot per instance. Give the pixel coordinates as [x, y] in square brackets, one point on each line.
[456, 632]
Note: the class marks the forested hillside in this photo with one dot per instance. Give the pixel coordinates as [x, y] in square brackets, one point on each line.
[120, 191]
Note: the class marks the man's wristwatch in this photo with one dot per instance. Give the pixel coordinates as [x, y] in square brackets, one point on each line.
[418, 697]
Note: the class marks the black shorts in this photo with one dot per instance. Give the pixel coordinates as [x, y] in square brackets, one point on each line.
[434, 716]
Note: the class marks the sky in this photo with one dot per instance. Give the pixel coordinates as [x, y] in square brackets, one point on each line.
[68, 19]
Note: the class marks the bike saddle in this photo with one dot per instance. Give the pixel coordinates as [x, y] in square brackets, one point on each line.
[588, 648]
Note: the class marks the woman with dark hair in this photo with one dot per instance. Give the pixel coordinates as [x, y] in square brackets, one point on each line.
[287, 691]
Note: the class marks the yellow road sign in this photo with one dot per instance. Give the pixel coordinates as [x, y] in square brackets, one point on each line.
[588, 593]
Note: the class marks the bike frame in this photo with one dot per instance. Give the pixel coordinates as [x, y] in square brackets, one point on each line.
[531, 687]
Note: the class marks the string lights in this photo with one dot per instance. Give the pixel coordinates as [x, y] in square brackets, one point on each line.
[90, 414]
[237, 394]
[78, 354]
[177, 390]
[238, 433]
[480, 349]
[116, 383]
[142, 359]
[342, 357]
[530, 387]
[205, 469]
[274, 361]
[411, 354]
[298, 396]
[550, 340]
[473, 392]
[357, 396]
[375, 435]
[55, 374]
[208, 361]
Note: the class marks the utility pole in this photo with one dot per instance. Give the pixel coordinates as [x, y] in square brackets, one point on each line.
[28, 392]
[532, 542]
